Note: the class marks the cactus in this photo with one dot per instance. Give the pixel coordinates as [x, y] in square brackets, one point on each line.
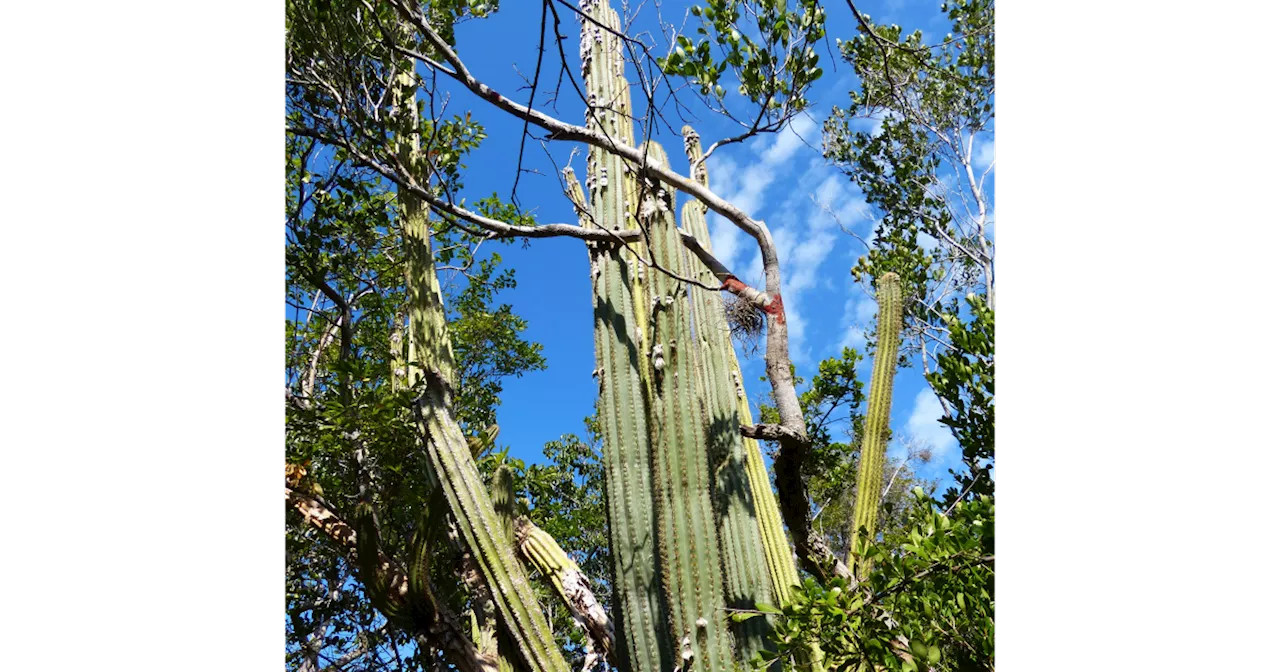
[622, 359]
[676, 469]
[541, 550]
[875, 429]
[747, 565]
[688, 531]
[450, 463]
[504, 504]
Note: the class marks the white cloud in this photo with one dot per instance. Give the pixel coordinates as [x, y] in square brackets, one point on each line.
[746, 187]
[859, 310]
[984, 154]
[802, 130]
[923, 425]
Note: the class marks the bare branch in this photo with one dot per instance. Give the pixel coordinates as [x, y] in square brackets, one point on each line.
[559, 130]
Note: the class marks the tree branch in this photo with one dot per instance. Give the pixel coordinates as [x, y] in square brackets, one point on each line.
[560, 130]
[441, 628]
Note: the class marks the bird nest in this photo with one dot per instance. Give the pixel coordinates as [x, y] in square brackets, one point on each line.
[746, 324]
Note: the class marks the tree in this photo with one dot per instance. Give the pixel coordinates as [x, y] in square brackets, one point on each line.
[924, 170]
[390, 439]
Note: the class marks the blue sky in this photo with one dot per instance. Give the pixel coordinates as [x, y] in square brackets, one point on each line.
[779, 178]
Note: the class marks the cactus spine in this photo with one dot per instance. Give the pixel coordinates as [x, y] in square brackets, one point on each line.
[747, 565]
[875, 429]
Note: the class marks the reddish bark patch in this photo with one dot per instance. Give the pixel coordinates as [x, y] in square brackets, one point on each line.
[733, 285]
[775, 308]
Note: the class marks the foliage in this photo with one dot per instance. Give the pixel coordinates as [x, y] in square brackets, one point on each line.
[487, 344]
[933, 105]
[931, 597]
[965, 382]
[767, 45]
[341, 233]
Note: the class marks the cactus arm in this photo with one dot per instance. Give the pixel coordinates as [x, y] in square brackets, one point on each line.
[876, 427]
[747, 573]
[504, 504]
[428, 338]
[451, 464]
[780, 560]
[540, 550]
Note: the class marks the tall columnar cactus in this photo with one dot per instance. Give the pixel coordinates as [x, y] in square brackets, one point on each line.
[747, 570]
[676, 470]
[450, 462]
[622, 357]
[687, 523]
[875, 429]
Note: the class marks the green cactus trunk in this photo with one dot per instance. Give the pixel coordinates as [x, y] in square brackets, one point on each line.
[747, 571]
[875, 430]
[621, 344]
[449, 459]
[688, 531]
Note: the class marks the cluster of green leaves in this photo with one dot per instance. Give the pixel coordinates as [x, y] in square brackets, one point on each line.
[767, 44]
[929, 599]
[965, 379]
